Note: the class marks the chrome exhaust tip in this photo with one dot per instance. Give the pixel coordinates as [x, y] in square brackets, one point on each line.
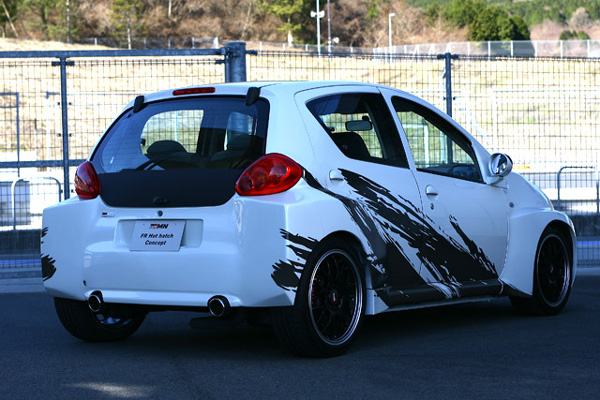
[95, 302]
[219, 306]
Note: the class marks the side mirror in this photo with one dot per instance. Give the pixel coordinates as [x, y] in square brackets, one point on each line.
[500, 165]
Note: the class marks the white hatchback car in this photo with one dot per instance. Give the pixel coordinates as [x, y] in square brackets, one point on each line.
[306, 205]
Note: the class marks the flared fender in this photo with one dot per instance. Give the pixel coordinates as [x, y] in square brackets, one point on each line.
[525, 230]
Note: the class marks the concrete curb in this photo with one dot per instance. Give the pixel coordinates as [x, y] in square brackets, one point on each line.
[21, 285]
[588, 271]
[18, 273]
[21, 280]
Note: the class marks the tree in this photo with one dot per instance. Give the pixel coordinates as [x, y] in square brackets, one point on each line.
[582, 35]
[433, 12]
[593, 9]
[464, 12]
[557, 15]
[522, 30]
[48, 13]
[289, 11]
[494, 24]
[127, 18]
[513, 28]
[8, 14]
[573, 35]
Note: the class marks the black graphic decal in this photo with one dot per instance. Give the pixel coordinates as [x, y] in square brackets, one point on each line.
[390, 266]
[383, 218]
[286, 274]
[48, 268]
[475, 251]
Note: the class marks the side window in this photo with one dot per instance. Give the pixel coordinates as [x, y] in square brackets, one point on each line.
[436, 146]
[361, 126]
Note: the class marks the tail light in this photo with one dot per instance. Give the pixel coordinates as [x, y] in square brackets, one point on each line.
[270, 174]
[87, 183]
[197, 90]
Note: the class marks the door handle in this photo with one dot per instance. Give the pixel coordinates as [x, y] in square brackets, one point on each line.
[336, 175]
[431, 191]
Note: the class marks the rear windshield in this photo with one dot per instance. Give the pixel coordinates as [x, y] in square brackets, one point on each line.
[191, 133]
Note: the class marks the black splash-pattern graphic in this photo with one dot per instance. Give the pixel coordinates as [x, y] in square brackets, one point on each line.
[395, 227]
[286, 274]
[48, 268]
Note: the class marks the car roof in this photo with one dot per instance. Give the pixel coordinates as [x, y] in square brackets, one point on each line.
[241, 88]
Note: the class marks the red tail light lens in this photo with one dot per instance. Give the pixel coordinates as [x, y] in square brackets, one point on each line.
[87, 183]
[270, 174]
[198, 90]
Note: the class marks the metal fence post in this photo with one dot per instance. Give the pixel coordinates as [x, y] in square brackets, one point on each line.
[448, 57]
[18, 137]
[63, 63]
[235, 62]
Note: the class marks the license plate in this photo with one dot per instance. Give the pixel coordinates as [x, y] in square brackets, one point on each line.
[157, 235]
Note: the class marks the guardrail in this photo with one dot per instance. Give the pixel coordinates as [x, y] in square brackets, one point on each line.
[586, 167]
[13, 203]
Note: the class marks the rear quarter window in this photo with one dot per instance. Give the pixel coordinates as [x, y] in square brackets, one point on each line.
[361, 126]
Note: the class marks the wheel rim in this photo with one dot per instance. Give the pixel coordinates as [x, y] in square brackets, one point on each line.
[335, 297]
[553, 270]
[110, 322]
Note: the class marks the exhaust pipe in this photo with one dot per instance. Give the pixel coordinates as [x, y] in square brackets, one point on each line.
[219, 306]
[95, 302]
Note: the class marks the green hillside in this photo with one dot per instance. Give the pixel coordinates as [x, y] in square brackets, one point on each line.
[532, 11]
[359, 23]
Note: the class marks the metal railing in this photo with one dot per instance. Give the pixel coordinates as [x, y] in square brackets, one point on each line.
[578, 167]
[514, 48]
[13, 186]
[234, 71]
[541, 111]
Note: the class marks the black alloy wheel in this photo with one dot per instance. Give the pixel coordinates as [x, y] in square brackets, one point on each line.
[553, 270]
[329, 304]
[335, 300]
[552, 279]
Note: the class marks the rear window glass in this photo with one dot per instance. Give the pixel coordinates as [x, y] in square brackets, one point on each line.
[192, 133]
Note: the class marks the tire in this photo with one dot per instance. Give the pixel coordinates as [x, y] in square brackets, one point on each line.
[329, 305]
[552, 276]
[81, 322]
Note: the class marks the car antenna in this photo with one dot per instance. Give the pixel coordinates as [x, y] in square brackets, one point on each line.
[138, 104]
[252, 95]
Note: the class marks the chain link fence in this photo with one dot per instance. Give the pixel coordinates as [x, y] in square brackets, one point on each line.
[53, 108]
[55, 105]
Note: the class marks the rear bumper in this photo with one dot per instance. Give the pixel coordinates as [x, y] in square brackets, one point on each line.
[229, 250]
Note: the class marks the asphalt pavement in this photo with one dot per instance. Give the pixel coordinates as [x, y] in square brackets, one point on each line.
[470, 351]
